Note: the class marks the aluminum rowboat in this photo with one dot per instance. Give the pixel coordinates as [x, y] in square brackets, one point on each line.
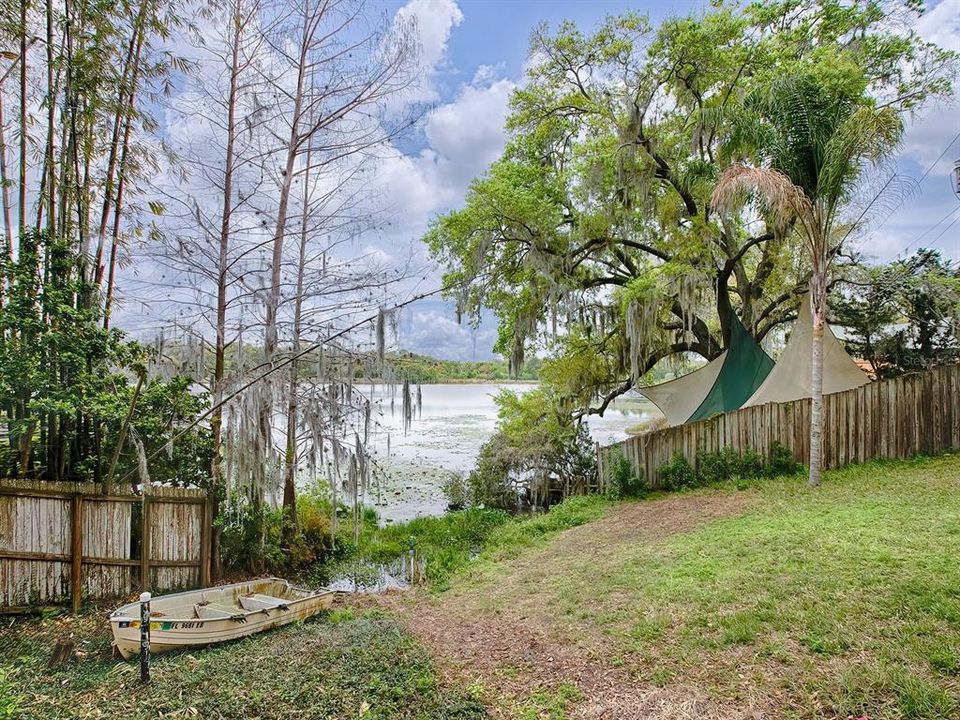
[198, 618]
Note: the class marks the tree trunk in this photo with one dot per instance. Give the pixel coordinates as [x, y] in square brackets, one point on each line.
[22, 201]
[223, 258]
[290, 456]
[818, 300]
[276, 266]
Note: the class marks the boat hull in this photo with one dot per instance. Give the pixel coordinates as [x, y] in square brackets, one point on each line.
[177, 630]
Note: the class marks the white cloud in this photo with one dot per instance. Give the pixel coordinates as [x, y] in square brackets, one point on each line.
[435, 20]
[468, 134]
[927, 148]
[462, 138]
[928, 135]
[942, 24]
[434, 332]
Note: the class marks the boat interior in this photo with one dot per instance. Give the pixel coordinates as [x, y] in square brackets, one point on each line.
[228, 601]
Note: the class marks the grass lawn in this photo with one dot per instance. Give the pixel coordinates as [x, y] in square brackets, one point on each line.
[336, 666]
[841, 601]
[838, 601]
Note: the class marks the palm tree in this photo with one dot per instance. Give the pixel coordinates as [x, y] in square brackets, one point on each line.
[803, 147]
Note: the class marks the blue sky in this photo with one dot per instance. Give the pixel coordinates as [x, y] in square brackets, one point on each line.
[478, 49]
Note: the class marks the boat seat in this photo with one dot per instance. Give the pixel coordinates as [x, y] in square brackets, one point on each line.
[213, 611]
[262, 602]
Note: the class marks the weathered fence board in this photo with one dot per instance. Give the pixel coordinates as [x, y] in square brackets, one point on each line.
[896, 418]
[61, 542]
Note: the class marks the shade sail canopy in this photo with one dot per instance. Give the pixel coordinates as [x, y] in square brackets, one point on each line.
[791, 377]
[720, 386]
[678, 399]
[745, 368]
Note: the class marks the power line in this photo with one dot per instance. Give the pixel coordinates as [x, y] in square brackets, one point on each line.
[944, 231]
[951, 212]
[933, 227]
[939, 158]
[893, 210]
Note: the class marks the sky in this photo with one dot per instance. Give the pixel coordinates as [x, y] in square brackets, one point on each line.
[474, 52]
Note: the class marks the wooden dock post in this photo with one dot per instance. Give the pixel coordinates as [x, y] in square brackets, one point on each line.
[145, 638]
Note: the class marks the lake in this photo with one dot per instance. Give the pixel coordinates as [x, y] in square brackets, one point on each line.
[455, 420]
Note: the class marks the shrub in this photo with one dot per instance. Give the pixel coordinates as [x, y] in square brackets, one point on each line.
[716, 467]
[314, 539]
[750, 465]
[678, 474]
[250, 537]
[537, 453]
[457, 491]
[623, 481]
[781, 461]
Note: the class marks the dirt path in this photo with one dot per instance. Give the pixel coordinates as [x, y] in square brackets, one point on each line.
[516, 648]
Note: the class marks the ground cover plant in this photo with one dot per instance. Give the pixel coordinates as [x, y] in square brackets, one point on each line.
[449, 543]
[337, 666]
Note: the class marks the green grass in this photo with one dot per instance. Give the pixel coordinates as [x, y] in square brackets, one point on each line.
[546, 704]
[842, 600]
[341, 666]
[450, 543]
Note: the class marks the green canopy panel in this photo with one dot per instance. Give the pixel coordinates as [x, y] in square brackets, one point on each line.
[745, 368]
[720, 386]
[677, 399]
[791, 378]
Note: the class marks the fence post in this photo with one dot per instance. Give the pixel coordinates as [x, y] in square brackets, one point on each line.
[145, 637]
[76, 551]
[205, 541]
[412, 552]
[600, 470]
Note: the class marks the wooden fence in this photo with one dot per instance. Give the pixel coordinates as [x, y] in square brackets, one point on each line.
[897, 418]
[63, 542]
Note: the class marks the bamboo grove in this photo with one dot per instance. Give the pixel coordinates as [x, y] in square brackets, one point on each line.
[74, 147]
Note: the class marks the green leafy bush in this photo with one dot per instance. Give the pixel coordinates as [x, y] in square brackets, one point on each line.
[678, 474]
[726, 464]
[537, 454]
[781, 461]
[251, 535]
[751, 465]
[457, 491]
[716, 467]
[314, 539]
[623, 482]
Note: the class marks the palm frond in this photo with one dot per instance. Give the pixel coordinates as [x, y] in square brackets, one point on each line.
[866, 135]
[778, 194]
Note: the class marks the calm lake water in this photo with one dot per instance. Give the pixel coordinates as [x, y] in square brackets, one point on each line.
[455, 420]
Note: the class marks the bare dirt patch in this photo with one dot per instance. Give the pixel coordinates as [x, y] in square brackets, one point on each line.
[497, 636]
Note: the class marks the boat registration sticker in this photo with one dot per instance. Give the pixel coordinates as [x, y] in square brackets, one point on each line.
[164, 625]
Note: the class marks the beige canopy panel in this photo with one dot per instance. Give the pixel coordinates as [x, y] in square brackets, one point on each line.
[678, 399]
[790, 378]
